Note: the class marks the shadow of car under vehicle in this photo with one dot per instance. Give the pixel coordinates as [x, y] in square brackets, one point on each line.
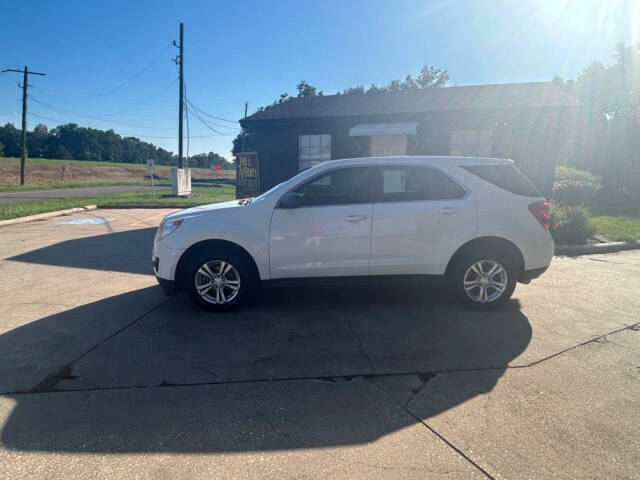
[292, 371]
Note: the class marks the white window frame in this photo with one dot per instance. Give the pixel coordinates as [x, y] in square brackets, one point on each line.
[313, 149]
[476, 143]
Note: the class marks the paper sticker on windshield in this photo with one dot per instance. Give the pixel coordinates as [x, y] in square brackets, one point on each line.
[86, 221]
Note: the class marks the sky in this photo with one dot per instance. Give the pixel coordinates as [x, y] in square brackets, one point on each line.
[109, 64]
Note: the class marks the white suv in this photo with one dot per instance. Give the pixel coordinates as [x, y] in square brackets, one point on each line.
[477, 222]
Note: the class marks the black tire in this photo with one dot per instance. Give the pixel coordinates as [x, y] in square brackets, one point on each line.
[472, 258]
[242, 271]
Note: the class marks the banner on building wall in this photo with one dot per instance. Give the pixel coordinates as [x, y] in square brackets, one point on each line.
[247, 175]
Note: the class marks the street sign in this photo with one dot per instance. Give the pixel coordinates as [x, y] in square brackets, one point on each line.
[218, 167]
[247, 175]
[151, 166]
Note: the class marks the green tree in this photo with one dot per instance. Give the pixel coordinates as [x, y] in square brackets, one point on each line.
[429, 77]
[305, 90]
[609, 141]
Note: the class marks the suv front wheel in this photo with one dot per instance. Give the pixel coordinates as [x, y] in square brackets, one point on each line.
[219, 282]
[483, 282]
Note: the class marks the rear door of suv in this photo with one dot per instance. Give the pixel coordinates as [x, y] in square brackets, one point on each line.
[420, 217]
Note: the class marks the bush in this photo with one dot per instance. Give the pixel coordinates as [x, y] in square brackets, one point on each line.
[570, 225]
[575, 187]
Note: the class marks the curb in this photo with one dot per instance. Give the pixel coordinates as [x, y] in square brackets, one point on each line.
[44, 216]
[609, 247]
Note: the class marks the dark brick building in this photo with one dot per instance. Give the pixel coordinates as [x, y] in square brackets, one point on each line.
[527, 122]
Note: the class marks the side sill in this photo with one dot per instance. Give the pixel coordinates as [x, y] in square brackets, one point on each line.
[353, 280]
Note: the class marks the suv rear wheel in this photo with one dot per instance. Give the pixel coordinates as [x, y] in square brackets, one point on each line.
[483, 281]
[219, 282]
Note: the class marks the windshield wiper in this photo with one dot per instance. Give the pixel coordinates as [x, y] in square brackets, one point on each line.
[245, 201]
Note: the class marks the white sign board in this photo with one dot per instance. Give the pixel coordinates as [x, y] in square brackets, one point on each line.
[150, 165]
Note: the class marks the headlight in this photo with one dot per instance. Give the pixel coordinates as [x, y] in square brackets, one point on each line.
[167, 227]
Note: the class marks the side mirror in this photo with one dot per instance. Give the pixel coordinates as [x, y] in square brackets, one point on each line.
[291, 200]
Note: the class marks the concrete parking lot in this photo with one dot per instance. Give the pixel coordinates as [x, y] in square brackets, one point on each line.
[101, 376]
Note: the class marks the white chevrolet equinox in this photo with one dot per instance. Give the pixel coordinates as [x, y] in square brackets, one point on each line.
[476, 222]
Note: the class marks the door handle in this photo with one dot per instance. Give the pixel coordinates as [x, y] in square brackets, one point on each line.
[355, 218]
[450, 210]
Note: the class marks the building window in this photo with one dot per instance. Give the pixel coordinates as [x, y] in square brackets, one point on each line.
[314, 149]
[476, 143]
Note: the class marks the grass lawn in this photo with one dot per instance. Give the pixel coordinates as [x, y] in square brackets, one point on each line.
[200, 196]
[49, 173]
[618, 227]
[90, 163]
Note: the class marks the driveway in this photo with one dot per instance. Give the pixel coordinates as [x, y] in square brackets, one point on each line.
[103, 376]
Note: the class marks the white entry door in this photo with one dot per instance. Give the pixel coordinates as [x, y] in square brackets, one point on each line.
[329, 233]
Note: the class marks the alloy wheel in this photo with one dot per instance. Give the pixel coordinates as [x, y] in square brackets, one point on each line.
[485, 281]
[217, 282]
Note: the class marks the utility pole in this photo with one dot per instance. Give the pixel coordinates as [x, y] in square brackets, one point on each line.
[246, 104]
[23, 136]
[180, 60]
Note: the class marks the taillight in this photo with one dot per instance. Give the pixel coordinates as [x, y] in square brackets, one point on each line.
[540, 210]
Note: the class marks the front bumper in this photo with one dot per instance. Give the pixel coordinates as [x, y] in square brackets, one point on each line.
[168, 286]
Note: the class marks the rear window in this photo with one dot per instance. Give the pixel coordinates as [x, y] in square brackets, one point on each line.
[507, 177]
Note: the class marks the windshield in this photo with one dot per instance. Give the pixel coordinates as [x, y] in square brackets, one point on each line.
[264, 195]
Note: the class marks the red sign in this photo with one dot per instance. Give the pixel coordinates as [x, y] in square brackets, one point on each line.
[218, 167]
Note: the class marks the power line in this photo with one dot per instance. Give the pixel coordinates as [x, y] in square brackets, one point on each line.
[204, 122]
[98, 119]
[71, 112]
[63, 122]
[116, 88]
[209, 122]
[212, 116]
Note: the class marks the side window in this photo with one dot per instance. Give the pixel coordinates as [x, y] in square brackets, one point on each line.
[507, 177]
[337, 187]
[407, 183]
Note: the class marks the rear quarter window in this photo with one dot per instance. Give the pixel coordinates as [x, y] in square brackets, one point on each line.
[507, 177]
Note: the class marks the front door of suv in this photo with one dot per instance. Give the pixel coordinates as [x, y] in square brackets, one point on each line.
[420, 217]
[329, 233]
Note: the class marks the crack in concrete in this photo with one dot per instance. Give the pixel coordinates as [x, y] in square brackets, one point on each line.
[604, 261]
[51, 380]
[360, 348]
[288, 435]
[190, 363]
[433, 430]
[424, 378]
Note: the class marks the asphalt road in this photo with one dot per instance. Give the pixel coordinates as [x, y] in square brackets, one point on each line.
[27, 195]
[102, 376]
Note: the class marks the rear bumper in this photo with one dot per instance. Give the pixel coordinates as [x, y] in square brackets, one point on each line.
[529, 275]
